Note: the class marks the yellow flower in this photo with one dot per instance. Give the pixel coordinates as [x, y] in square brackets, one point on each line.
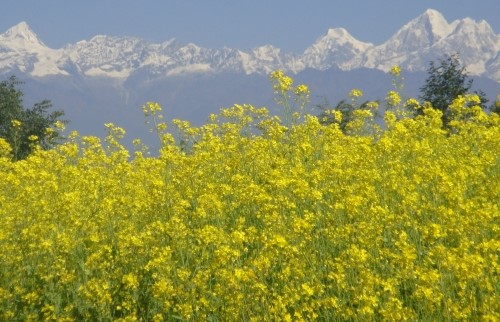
[355, 93]
[413, 103]
[151, 108]
[282, 83]
[338, 116]
[130, 281]
[59, 125]
[393, 98]
[161, 126]
[304, 222]
[372, 105]
[5, 148]
[16, 123]
[308, 290]
[302, 90]
[395, 70]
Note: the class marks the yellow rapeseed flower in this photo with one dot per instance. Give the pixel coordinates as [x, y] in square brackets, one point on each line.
[355, 93]
[282, 83]
[393, 98]
[395, 70]
[302, 90]
[245, 218]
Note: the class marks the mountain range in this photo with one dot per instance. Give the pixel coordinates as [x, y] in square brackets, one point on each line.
[422, 39]
[98, 79]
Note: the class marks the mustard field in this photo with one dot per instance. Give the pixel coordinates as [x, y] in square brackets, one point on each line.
[254, 218]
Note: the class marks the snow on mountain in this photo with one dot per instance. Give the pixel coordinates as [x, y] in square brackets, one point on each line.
[475, 42]
[192, 68]
[493, 67]
[336, 48]
[107, 56]
[262, 60]
[429, 37]
[22, 34]
[21, 49]
[425, 38]
[418, 35]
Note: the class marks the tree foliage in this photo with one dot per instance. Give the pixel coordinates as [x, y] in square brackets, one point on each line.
[346, 109]
[446, 81]
[495, 107]
[26, 128]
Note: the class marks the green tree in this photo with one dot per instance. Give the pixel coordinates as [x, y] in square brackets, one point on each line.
[445, 82]
[495, 107]
[25, 128]
[345, 107]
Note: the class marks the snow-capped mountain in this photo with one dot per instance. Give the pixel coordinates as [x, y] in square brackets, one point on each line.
[421, 40]
[429, 37]
[20, 49]
[417, 36]
[107, 56]
[477, 43]
[336, 48]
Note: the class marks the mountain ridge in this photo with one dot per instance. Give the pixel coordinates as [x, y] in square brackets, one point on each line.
[421, 40]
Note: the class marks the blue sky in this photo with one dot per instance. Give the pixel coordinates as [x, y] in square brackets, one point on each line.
[288, 24]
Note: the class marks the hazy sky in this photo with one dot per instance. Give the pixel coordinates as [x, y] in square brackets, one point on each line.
[288, 24]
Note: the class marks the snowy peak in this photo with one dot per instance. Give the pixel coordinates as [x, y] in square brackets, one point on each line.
[341, 37]
[21, 30]
[470, 27]
[21, 50]
[336, 48]
[435, 24]
[476, 43]
[430, 36]
[22, 34]
[339, 34]
[421, 32]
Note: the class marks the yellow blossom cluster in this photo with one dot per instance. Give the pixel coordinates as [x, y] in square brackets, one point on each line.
[16, 123]
[355, 93]
[393, 98]
[395, 70]
[254, 220]
[289, 97]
